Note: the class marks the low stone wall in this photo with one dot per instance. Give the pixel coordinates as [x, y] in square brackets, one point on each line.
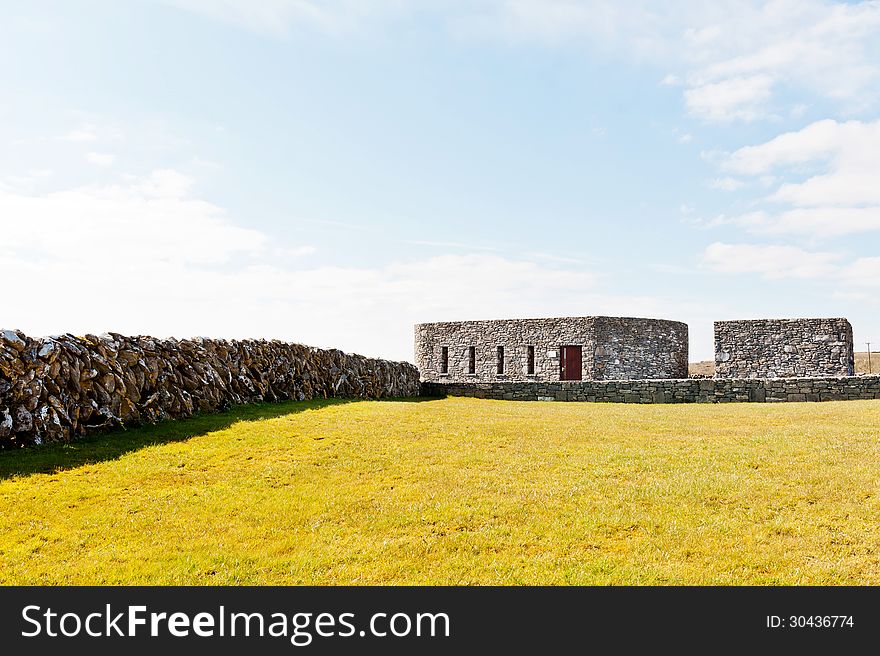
[687, 390]
[56, 388]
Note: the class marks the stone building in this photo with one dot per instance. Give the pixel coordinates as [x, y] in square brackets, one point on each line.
[783, 348]
[568, 348]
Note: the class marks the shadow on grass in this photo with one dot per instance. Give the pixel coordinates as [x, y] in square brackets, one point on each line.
[51, 458]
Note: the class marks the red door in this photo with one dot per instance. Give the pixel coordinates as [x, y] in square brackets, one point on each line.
[570, 363]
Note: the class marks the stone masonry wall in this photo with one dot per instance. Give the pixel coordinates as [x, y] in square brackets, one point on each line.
[691, 390]
[628, 349]
[57, 388]
[780, 348]
[612, 347]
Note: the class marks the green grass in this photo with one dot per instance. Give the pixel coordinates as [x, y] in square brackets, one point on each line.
[456, 491]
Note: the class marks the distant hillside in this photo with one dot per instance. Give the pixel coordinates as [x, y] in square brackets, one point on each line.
[702, 368]
[707, 367]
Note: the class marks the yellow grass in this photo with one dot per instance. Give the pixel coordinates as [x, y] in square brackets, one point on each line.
[863, 366]
[456, 491]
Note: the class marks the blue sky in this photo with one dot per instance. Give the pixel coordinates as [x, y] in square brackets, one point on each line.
[333, 172]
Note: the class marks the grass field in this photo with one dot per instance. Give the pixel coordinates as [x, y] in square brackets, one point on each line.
[456, 491]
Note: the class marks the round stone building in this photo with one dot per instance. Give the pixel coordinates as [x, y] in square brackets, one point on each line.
[566, 348]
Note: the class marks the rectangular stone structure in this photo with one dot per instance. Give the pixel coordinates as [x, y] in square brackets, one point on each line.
[784, 348]
[611, 348]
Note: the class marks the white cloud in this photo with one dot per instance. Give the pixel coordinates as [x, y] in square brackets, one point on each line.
[818, 140]
[798, 110]
[91, 128]
[735, 98]
[753, 221]
[770, 261]
[863, 273]
[728, 56]
[824, 222]
[162, 183]
[81, 134]
[727, 184]
[827, 174]
[298, 251]
[838, 188]
[270, 16]
[451, 244]
[278, 17]
[25, 183]
[820, 48]
[813, 223]
[123, 227]
[552, 257]
[147, 256]
[100, 159]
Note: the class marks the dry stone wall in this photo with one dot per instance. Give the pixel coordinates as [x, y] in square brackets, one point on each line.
[707, 390]
[612, 348]
[779, 348]
[57, 388]
[629, 349]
